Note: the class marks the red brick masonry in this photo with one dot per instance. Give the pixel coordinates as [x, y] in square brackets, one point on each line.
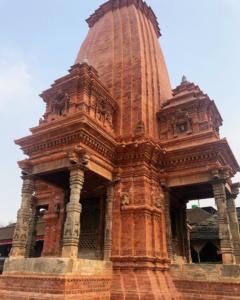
[199, 290]
[50, 288]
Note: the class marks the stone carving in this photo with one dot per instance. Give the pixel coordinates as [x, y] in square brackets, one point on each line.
[140, 128]
[60, 104]
[223, 221]
[181, 122]
[79, 156]
[234, 227]
[103, 111]
[125, 199]
[73, 157]
[220, 173]
[22, 229]
[72, 225]
[215, 173]
[158, 201]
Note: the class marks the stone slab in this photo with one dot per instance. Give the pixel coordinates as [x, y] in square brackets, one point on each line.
[57, 266]
[206, 272]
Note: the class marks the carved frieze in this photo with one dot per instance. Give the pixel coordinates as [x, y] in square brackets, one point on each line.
[60, 103]
[102, 110]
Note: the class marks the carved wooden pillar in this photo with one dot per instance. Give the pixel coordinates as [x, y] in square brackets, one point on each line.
[71, 233]
[108, 223]
[20, 244]
[223, 223]
[234, 227]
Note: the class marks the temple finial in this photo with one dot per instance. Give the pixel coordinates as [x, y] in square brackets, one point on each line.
[85, 61]
[184, 79]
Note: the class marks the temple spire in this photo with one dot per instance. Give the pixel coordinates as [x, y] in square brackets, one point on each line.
[184, 79]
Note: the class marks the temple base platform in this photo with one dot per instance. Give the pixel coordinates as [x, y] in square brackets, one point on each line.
[55, 278]
[74, 279]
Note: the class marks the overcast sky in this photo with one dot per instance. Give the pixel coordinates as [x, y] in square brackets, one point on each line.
[39, 41]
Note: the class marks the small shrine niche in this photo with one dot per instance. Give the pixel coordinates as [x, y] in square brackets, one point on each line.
[181, 123]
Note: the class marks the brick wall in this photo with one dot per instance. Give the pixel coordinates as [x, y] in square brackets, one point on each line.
[49, 288]
[199, 290]
[208, 282]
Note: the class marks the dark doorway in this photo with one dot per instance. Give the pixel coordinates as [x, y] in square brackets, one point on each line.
[38, 247]
[92, 228]
[5, 250]
[195, 256]
[209, 254]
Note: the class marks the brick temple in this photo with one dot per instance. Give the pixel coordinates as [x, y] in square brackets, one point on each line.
[109, 171]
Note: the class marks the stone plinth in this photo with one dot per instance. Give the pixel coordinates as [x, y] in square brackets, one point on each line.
[206, 272]
[55, 278]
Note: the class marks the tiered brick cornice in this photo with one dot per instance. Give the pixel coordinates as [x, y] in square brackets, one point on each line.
[36, 149]
[211, 156]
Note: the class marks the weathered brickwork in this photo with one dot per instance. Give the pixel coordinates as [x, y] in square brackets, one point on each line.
[199, 290]
[61, 288]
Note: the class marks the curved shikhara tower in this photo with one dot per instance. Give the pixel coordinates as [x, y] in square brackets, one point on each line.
[122, 44]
